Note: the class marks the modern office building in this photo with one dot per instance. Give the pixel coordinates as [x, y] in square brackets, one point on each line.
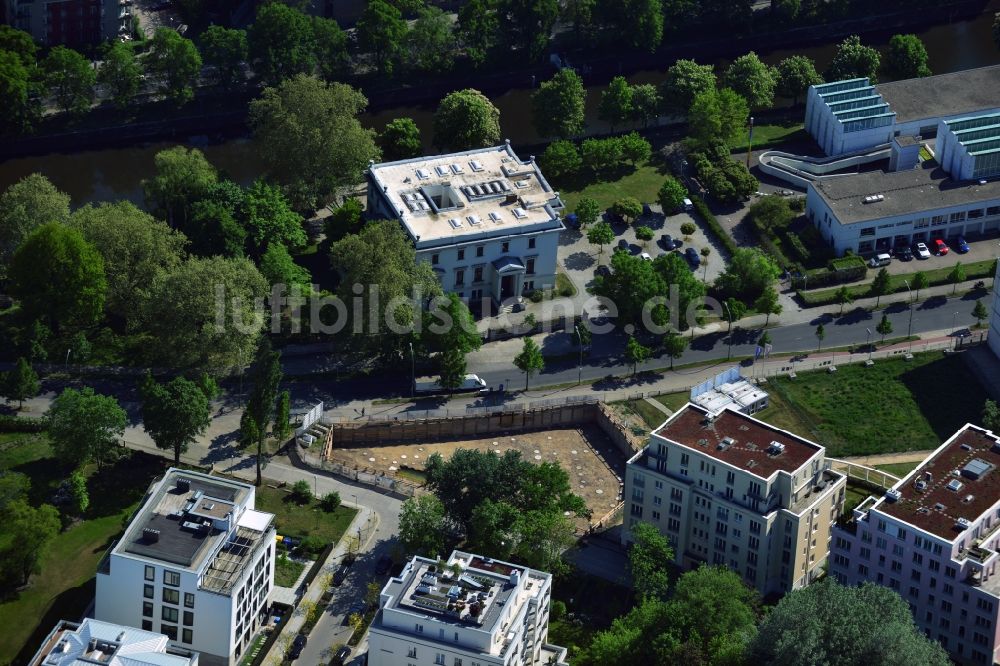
[729, 489]
[487, 221]
[934, 539]
[472, 611]
[71, 22]
[196, 563]
[994, 335]
[96, 642]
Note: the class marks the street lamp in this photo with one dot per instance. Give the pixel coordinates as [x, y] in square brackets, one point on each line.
[68, 352]
[909, 327]
[954, 318]
[750, 143]
[413, 373]
[729, 316]
[868, 343]
[579, 367]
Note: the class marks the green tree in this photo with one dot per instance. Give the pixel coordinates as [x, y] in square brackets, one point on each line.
[674, 345]
[331, 41]
[58, 277]
[176, 62]
[634, 148]
[635, 353]
[671, 195]
[881, 285]
[184, 308]
[561, 159]
[631, 286]
[528, 24]
[70, 78]
[249, 430]
[35, 529]
[786, 9]
[843, 296]
[906, 58]
[628, 207]
[558, 105]
[688, 228]
[955, 276]
[794, 76]
[541, 539]
[400, 140]
[137, 250]
[991, 416]
[676, 274]
[85, 426]
[214, 231]
[884, 327]
[283, 418]
[717, 116]
[640, 23]
[493, 528]
[920, 281]
[278, 267]
[600, 235]
[588, 211]
[764, 340]
[650, 558]
[79, 498]
[18, 43]
[808, 625]
[120, 73]
[771, 213]
[478, 29]
[268, 219]
[20, 383]
[17, 85]
[601, 155]
[854, 61]
[646, 103]
[310, 139]
[616, 102]
[685, 80]
[346, 219]
[450, 325]
[581, 13]
[735, 310]
[644, 233]
[330, 502]
[529, 360]
[768, 303]
[422, 525]
[750, 78]
[174, 414]
[430, 43]
[452, 368]
[183, 176]
[748, 274]
[24, 206]
[265, 375]
[466, 119]
[820, 334]
[282, 42]
[980, 313]
[225, 50]
[382, 29]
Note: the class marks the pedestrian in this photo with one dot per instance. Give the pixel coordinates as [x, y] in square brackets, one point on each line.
[362, 411]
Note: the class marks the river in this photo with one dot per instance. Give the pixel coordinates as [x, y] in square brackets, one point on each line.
[117, 173]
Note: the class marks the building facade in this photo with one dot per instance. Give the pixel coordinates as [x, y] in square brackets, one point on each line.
[728, 489]
[96, 642]
[994, 336]
[196, 564]
[71, 22]
[473, 611]
[487, 221]
[934, 538]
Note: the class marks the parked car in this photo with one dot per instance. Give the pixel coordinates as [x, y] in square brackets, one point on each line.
[623, 246]
[340, 576]
[688, 204]
[691, 255]
[385, 562]
[940, 247]
[961, 246]
[298, 644]
[880, 259]
[645, 256]
[904, 253]
[602, 271]
[342, 655]
[921, 251]
[667, 242]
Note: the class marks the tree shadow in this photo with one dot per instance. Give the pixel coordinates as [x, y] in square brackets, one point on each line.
[855, 316]
[69, 604]
[933, 302]
[579, 261]
[123, 483]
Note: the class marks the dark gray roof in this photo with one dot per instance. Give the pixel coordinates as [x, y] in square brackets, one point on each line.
[943, 95]
[906, 193]
[175, 545]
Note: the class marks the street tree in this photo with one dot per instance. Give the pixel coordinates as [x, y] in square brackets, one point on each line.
[561, 159]
[843, 296]
[528, 24]
[881, 285]
[636, 353]
[582, 14]
[557, 105]
[85, 426]
[632, 285]
[674, 345]
[906, 58]
[920, 281]
[310, 139]
[19, 383]
[765, 339]
[478, 30]
[24, 206]
[422, 525]
[381, 29]
[688, 228]
[282, 43]
[807, 625]
[58, 278]
[735, 310]
[853, 60]
[18, 43]
[640, 23]
[635, 149]
[120, 73]
[330, 42]
[174, 414]
[588, 211]
[820, 334]
[529, 360]
[955, 276]
[175, 61]
[430, 43]
[646, 103]
[980, 312]
[685, 80]
[616, 103]
[671, 195]
[768, 303]
[644, 233]
[400, 140]
[884, 326]
[451, 369]
[136, 249]
[705, 253]
[70, 79]
[650, 559]
[466, 119]
[183, 176]
[749, 273]
[265, 375]
[34, 529]
[282, 429]
[753, 80]
[450, 325]
[794, 76]
[600, 234]
[717, 116]
[225, 50]
[673, 269]
[627, 207]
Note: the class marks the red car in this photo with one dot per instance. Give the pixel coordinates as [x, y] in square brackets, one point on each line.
[939, 247]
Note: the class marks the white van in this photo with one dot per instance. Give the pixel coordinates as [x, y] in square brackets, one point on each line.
[880, 260]
[688, 205]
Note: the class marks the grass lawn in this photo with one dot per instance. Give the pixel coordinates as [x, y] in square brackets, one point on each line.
[771, 135]
[642, 183]
[564, 286]
[854, 496]
[674, 401]
[287, 571]
[653, 417]
[308, 520]
[895, 405]
[898, 469]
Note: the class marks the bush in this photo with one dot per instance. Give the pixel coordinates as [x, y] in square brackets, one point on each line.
[561, 158]
[644, 233]
[798, 204]
[21, 424]
[301, 492]
[558, 610]
[536, 296]
[799, 248]
[312, 545]
[713, 224]
[330, 501]
[688, 228]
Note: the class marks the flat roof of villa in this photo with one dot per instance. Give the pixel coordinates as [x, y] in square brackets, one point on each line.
[960, 480]
[739, 440]
[482, 192]
[906, 193]
[963, 92]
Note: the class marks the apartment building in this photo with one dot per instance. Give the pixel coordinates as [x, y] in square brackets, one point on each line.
[729, 489]
[487, 221]
[468, 611]
[196, 563]
[933, 537]
[72, 23]
[96, 642]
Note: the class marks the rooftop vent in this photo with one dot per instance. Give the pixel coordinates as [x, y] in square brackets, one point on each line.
[874, 198]
[775, 448]
[456, 169]
[893, 495]
[475, 165]
[923, 509]
[495, 216]
[955, 485]
[515, 577]
[968, 499]
[441, 170]
[976, 469]
[473, 220]
[423, 174]
[920, 484]
[183, 485]
[702, 442]
[519, 213]
[149, 535]
[455, 223]
[962, 523]
[939, 507]
[725, 443]
[966, 447]
[751, 464]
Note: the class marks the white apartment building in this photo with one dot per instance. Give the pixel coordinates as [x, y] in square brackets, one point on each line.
[196, 563]
[731, 490]
[96, 642]
[934, 538]
[473, 611]
[487, 221]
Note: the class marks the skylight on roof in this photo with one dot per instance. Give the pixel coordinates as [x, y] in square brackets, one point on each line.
[456, 168]
[495, 216]
[441, 170]
[473, 220]
[455, 223]
[423, 174]
[475, 165]
[519, 213]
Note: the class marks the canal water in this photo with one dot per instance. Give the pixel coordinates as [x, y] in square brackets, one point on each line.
[117, 173]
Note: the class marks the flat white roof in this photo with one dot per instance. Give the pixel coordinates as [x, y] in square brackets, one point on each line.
[482, 193]
[255, 520]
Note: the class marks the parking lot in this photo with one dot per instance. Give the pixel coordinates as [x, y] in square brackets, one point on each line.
[979, 250]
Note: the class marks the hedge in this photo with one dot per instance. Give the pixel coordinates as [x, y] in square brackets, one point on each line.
[702, 209]
[21, 424]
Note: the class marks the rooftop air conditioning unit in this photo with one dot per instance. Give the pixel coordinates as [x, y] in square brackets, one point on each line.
[893, 495]
[962, 523]
[183, 485]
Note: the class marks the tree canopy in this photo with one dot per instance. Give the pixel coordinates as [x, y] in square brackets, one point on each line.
[422, 526]
[717, 116]
[631, 286]
[748, 274]
[616, 102]
[176, 62]
[24, 206]
[86, 426]
[120, 73]
[430, 43]
[382, 29]
[794, 76]
[70, 78]
[183, 176]
[282, 42]
[225, 49]
[906, 58]
[685, 80]
[528, 23]
[174, 414]
[557, 105]
[400, 140]
[466, 119]
[750, 78]
[853, 60]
